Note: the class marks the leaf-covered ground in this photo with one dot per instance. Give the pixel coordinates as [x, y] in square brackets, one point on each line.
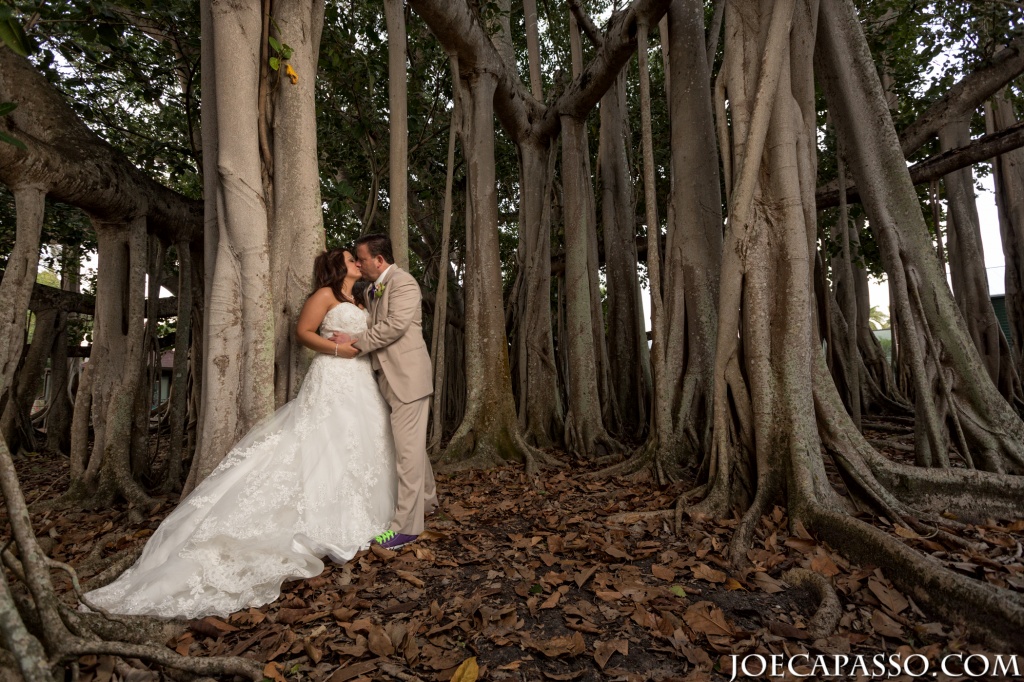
[565, 577]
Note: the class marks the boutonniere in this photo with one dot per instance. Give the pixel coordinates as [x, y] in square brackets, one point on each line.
[379, 291]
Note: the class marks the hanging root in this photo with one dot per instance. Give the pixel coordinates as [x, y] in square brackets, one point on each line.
[825, 620]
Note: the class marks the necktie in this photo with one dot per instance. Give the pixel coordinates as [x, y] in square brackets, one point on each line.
[373, 290]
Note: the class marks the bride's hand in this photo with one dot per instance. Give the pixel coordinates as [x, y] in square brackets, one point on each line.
[347, 350]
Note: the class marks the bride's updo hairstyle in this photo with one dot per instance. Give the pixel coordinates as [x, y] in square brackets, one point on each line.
[329, 270]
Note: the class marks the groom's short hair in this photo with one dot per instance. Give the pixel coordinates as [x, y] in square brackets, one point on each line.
[377, 245]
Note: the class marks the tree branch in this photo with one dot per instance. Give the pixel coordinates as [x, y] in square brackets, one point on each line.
[599, 74]
[75, 166]
[586, 23]
[982, 149]
[968, 93]
[458, 29]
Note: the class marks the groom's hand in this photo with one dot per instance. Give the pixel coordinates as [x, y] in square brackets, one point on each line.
[347, 350]
[340, 338]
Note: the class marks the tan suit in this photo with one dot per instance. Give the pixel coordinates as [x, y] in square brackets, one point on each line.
[399, 356]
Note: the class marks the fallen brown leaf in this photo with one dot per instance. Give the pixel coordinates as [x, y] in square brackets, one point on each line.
[604, 650]
[663, 572]
[273, 671]
[884, 625]
[705, 572]
[890, 598]
[707, 619]
[410, 577]
[347, 672]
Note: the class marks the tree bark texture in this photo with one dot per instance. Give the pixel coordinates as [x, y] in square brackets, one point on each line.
[628, 356]
[398, 118]
[541, 413]
[296, 227]
[20, 276]
[117, 361]
[967, 267]
[238, 385]
[72, 164]
[17, 428]
[585, 432]
[693, 244]
[489, 430]
[932, 330]
[1009, 181]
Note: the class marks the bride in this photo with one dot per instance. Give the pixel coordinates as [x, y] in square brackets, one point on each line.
[315, 479]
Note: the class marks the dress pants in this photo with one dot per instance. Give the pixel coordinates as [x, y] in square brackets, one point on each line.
[417, 495]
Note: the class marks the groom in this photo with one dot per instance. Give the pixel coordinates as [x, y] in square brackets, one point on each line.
[394, 340]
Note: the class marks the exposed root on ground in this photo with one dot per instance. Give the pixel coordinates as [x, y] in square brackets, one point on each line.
[826, 618]
[995, 615]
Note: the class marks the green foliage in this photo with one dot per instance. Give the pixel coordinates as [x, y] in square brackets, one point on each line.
[282, 52]
[12, 34]
[5, 109]
[878, 319]
[131, 71]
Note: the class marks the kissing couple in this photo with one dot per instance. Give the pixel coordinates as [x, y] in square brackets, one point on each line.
[342, 465]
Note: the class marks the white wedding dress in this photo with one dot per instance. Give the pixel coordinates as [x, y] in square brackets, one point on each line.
[315, 479]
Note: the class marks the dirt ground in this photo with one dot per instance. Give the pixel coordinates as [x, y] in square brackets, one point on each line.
[565, 577]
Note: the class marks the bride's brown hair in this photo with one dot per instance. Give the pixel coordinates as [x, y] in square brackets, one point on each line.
[329, 270]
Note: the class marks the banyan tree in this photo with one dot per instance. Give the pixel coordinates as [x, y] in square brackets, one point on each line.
[743, 163]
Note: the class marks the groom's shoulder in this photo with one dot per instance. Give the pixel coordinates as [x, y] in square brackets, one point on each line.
[404, 277]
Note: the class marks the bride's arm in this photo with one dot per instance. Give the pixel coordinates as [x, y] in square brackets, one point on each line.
[312, 315]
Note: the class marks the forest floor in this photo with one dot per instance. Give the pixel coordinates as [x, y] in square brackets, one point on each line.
[565, 577]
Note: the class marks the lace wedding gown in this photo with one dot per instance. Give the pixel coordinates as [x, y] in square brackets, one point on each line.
[317, 478]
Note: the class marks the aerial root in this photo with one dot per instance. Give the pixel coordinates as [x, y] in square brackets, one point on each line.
[826, 618]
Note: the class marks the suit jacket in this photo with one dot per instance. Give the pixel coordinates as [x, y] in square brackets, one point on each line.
[394, 338]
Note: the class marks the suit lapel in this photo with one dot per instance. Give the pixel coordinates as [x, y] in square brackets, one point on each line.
[379, 305]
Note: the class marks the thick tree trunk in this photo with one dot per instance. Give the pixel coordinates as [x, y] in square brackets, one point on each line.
[605, 389]
[541, 413]
[19, 277]
[297, 227]
[489, 431]
[1009, 181]
[628, 356]
[935, 332]
[398, 120]
[693, 245]
[179, 378]
[967, 267]
[238, 386]
[439, 327]
[846, 297]
[533, 49]
[585, 433]
[115, 366]
[64, 371]
[16, 423]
